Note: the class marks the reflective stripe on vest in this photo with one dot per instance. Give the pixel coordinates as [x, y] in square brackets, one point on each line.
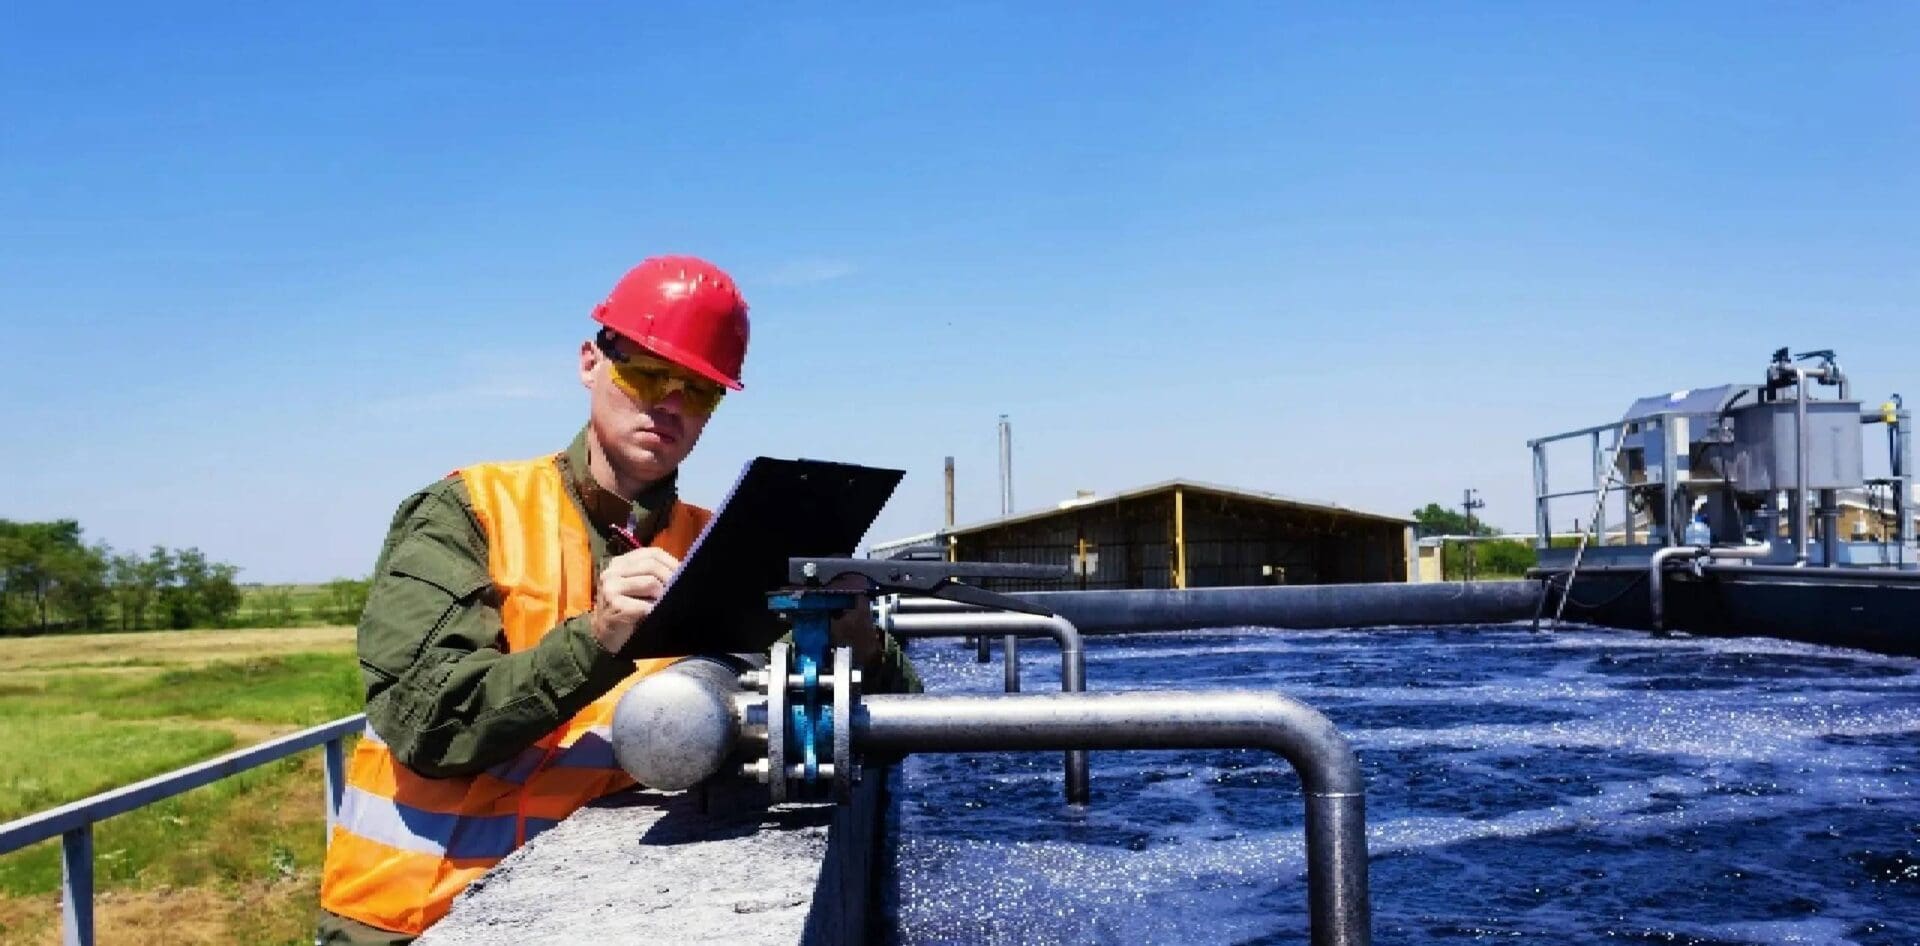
[406, 845]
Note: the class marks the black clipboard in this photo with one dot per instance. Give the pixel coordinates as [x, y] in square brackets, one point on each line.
[778, 509]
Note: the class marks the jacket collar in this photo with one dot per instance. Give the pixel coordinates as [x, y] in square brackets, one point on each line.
[605, 509]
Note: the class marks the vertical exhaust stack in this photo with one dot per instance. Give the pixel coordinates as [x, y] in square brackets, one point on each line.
[1006, 466]
[946, 536]
[949, 519]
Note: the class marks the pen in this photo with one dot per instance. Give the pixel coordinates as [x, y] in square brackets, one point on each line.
[628, 531]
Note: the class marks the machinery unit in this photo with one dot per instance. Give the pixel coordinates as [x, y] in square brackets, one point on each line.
[1747, 486]
[1762, 456]
[1757, 462]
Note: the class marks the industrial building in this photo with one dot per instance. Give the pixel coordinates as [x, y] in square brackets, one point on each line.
[1181, 534]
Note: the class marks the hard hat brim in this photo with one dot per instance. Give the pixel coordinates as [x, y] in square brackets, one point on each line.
[666, 350]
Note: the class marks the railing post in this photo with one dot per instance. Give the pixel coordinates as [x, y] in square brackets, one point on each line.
[73, 822]
[76, 886]
[1010, 646]
[336, 763]
[1601, 476]
[1540, 524]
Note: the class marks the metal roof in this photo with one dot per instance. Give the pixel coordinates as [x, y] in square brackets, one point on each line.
[1251, 495]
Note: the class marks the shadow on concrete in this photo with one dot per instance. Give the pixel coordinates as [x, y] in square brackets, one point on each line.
[716, 814]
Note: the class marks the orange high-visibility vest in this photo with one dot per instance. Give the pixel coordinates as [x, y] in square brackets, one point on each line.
[406, 844]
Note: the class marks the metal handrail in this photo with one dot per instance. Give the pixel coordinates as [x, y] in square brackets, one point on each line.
[1073, 659]
[1596, 429]
[73, 822]
[1594, 524]
[1338, 910]
[1602, 472]
[1009, 643]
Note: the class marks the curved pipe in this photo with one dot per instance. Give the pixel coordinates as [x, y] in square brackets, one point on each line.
[887, 607]
[1656, 580]
[1657, 566]
[1337, 902]
[1073, 660]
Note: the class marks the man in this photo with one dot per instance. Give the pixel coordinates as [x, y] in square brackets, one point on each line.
[502, 600]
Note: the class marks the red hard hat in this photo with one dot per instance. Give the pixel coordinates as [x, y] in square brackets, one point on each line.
[685, 310]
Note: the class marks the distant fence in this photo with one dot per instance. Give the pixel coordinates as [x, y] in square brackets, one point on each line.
[73, 822]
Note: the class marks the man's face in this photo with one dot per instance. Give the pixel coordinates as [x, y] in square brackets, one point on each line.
[642, 414]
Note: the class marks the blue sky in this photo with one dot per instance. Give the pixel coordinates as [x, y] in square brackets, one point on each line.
[266, 269]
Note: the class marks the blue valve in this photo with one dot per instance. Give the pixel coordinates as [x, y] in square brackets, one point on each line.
[809, 721]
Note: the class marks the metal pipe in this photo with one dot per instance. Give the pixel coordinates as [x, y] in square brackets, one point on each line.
[913, 604]
[1802, 521]
[1656, 582]
[1656, 571]
[1541, 528]
[1073, 660]
[1844, 575]
[76, 887]
[1010, 652]
[1119, 611]
[335, 770]
[1669, 478]
[1337, 903]
[1602, 481]
[902, 604]
[1073, 667]
[1830, 527]
[1903, 503]
[1111, 611]
[1870, 576]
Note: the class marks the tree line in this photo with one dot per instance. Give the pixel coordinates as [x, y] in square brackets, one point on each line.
[1487, 558]
[51, 579]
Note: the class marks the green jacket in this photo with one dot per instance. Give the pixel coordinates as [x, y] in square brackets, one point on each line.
[441, 690]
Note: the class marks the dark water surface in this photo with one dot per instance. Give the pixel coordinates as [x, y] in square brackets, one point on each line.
[1582, 787]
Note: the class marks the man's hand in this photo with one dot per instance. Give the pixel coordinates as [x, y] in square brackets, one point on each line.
[630, 586]
[854, 626]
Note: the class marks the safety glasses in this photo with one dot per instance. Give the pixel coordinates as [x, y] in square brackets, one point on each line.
[651, 380]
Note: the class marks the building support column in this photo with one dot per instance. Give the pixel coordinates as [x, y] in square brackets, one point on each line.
[1179, 537]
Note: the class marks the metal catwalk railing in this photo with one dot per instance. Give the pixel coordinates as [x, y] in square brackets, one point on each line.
[73, 823]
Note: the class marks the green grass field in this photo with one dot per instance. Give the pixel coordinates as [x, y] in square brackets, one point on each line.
[236, 861]
[265, 606]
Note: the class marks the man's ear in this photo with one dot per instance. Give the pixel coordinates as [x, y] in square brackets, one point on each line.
[589, 361]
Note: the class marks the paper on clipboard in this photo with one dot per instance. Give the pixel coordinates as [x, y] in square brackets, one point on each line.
[777, 509]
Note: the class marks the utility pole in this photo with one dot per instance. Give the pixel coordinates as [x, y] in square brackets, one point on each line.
[1471, 502]
[1006, 466]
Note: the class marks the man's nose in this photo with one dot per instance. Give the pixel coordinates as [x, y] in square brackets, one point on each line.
[675, 400]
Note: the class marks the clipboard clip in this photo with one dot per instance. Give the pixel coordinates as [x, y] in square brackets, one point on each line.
[928, 579]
